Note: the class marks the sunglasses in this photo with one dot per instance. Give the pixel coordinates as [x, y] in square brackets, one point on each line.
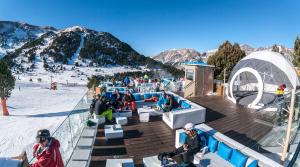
[41, 139]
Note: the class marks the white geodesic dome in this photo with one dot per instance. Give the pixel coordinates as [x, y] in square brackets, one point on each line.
[255, 79]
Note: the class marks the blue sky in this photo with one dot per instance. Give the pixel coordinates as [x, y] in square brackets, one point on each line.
[151, 26]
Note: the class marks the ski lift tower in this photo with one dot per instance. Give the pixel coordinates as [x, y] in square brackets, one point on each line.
[199, 79]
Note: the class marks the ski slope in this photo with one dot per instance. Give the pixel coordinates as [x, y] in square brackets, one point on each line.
[33, 106]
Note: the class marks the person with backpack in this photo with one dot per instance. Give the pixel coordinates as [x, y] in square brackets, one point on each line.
[46, 151]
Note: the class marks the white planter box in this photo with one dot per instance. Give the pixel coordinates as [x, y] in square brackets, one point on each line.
[121, 120]
[113, 131]
[144, 117]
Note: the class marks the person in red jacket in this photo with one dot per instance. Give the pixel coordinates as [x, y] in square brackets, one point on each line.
[46, 151]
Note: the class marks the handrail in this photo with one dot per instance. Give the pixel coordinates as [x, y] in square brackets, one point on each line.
[188, 85]
[295, 156]
[76, 110]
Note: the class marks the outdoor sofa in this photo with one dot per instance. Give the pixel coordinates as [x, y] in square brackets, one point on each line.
[178, 117]
[224, 151]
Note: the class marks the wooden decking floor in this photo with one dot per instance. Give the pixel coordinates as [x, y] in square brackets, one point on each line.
[148, 139]
[140, 140]
[237, 122]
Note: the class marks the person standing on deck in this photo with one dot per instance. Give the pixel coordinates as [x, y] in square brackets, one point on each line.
[126, 81]
[92, 106]
[46, 151]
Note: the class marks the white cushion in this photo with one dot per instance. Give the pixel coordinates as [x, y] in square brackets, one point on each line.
[121, 120]
[101, 119]
[144, 117]
[211, 159]
[113, 131]
[119, 163]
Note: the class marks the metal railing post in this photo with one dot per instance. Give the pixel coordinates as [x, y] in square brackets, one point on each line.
[288, 132]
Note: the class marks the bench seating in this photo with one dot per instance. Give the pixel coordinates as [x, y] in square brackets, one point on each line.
[226, 148]
[178, 117]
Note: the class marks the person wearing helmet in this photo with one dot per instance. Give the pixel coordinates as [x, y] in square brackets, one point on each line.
[190, 147]
[46, 151]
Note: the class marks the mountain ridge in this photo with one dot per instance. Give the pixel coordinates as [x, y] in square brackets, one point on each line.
[50, 49]
[177, 56]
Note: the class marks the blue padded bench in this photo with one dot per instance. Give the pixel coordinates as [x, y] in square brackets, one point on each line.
[224, 151]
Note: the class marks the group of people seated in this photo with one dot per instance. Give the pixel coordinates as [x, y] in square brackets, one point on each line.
[167, 102]
[103, 106]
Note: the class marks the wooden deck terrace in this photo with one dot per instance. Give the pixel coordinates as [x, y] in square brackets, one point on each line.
[154, 137]
[235, 121]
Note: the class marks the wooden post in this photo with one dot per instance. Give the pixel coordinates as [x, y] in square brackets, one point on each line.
[290, 121]
[51, 81]
[224, 75]
[4, 107]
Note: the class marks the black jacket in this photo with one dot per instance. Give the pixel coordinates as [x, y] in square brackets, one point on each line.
[193, 143]
[100, 107]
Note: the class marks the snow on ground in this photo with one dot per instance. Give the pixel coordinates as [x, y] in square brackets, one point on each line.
[78, 75]
[31, 108]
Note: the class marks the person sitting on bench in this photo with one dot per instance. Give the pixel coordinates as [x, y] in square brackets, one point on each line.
[102, 108]
[117, 100]
[128, 101]
[162, 99]
[191, 146]
[170, 104]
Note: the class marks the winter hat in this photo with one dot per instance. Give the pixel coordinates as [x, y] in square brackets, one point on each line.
[43, 133]
[189, 126]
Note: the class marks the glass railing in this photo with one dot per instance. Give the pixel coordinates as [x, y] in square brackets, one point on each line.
[274, 140]
[68, 132]
[295, 161]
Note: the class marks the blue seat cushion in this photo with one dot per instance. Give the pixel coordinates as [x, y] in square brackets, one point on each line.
[110, 95]
[224, 151]
[253, 164]
[212, 144]
[200, 132]
[184, 104]
[182, 138]
[147, 96]
[156, 95]
[238, 159]
[137, 97]
[202, 137]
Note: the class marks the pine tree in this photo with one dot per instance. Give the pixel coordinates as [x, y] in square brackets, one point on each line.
[225, 58]
[296, 60]
[7, 84]
[275, 48]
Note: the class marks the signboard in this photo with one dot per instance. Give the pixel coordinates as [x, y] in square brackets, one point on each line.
[189, 74]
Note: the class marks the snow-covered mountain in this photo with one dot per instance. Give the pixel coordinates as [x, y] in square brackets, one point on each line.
[44, 50]
[14, 34]
[176, 56]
